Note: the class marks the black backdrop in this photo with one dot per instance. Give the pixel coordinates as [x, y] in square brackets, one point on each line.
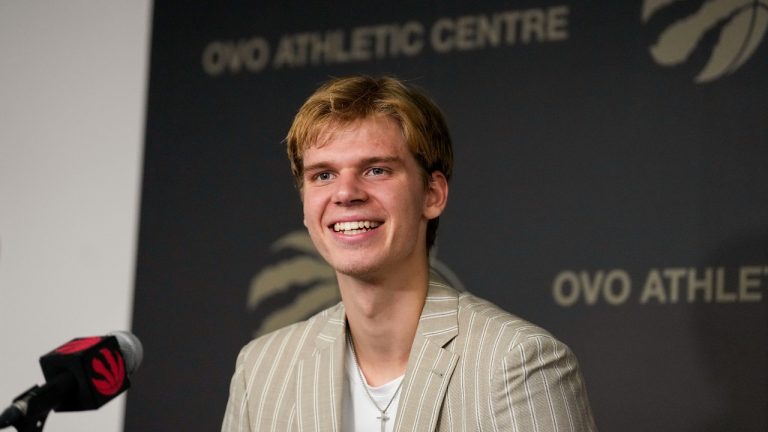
[602, 190]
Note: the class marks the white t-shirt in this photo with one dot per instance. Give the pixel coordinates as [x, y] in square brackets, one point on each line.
[359, 414]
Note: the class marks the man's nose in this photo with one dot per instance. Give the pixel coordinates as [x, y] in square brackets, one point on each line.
[349, 190]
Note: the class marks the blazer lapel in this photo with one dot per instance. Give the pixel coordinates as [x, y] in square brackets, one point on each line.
[320, 379]
[430, 365]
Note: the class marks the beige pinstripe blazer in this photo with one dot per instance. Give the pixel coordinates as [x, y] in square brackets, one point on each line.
[473, 367]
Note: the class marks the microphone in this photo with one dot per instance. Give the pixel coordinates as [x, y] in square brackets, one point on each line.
[83, 374]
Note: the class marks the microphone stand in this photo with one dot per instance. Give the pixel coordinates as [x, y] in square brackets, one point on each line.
[30, 410]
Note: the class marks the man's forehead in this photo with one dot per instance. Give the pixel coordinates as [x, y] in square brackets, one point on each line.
[332, 128]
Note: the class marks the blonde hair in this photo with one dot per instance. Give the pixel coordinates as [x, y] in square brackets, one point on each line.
[344, 100]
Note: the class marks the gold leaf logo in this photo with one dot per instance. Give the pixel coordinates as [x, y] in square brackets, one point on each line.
[306, 272]
[303, 283]
[740, 26]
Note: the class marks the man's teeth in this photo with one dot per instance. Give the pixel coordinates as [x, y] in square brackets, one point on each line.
[355, 227]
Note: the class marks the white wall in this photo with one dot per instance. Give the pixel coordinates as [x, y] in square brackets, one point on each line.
[72, 101]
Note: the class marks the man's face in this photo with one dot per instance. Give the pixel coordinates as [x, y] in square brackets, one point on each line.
[365, 203]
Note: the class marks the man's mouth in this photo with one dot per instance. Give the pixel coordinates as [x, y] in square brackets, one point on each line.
[355, 227]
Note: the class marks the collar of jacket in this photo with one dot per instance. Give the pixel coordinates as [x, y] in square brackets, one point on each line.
[320, 377]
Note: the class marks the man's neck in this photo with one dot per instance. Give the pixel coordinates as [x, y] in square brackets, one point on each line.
[382, 319]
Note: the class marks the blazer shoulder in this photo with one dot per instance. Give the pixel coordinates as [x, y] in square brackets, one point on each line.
[507, 328]
[297, 336]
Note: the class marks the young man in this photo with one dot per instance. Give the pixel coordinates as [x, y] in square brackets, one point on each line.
[372, 158]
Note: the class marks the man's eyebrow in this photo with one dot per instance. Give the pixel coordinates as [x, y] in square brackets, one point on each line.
[382, 159]
[317, 167]
[320, 166]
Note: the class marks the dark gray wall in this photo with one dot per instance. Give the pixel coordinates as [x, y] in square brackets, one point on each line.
[605, 188]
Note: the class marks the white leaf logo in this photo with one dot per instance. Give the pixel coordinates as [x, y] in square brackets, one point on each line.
[741, 24]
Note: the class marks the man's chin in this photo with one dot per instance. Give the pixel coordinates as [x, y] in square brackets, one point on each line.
[358, 270]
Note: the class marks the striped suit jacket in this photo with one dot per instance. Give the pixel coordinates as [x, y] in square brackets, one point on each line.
[472, 367]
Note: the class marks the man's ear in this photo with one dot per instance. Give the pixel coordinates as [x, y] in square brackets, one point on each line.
[436, 195]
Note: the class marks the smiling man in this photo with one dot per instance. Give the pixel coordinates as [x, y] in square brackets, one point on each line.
[402, 352]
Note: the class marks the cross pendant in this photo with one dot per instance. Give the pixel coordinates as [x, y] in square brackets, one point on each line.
[383, 419]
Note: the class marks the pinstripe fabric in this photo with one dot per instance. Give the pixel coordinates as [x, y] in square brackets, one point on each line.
[473, 367]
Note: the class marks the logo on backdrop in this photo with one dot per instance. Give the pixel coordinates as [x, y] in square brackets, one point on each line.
[739, 25]
[301, 283]
[302, 276]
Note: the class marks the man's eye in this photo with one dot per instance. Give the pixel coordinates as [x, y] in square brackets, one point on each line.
[376, 171]
[323, 176]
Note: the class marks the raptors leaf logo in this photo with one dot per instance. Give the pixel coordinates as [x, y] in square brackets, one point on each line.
[740, 26]
[302, 283]
[78, 345]
[304, 273]
[112, 372]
